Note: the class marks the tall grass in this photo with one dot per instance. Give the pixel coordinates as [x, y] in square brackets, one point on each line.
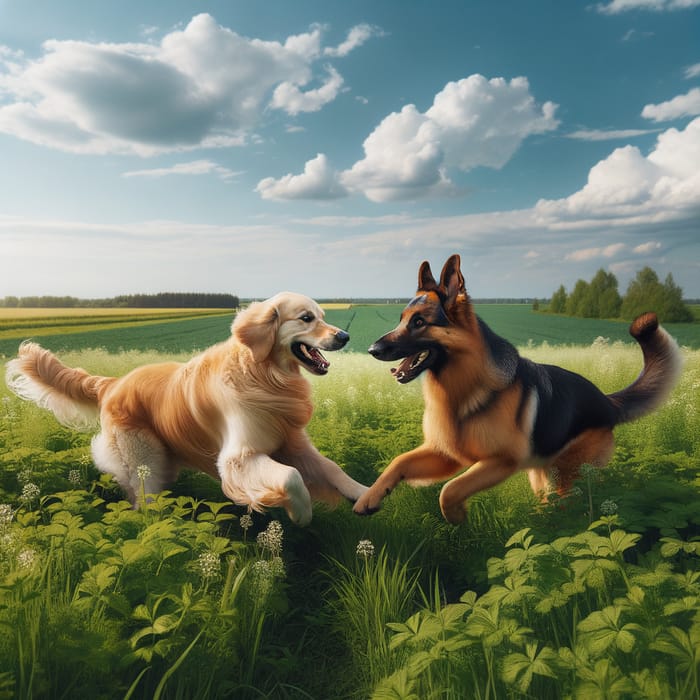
[593, 596]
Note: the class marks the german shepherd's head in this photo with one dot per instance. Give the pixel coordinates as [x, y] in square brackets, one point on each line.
[426, 331]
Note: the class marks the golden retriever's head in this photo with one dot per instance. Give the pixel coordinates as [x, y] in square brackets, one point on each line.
[291, 328]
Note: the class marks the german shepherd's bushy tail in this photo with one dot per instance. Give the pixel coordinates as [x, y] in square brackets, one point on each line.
[662, 366]
[71, 394]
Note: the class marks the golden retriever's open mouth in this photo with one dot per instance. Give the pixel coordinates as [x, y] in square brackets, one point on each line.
[311, 358]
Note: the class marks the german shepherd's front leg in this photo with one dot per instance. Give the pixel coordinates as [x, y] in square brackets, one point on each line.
[422, 464]
[482, 475]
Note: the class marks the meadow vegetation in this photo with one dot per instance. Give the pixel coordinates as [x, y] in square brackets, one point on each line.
[595, 595]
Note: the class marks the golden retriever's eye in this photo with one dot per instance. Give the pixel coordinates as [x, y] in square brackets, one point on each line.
[307, 318]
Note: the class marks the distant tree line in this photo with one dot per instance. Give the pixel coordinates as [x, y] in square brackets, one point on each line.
[163, 300]
[600, 298]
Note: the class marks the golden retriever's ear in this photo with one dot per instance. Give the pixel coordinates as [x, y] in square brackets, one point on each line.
[256, 328]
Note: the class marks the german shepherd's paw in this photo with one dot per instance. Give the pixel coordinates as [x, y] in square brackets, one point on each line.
[455, 512]
[369, 502]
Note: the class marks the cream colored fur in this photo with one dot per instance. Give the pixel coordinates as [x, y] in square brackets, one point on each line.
[237, 411]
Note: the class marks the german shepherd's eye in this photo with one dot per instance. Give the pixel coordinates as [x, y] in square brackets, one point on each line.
[417, 321]
[307, 317]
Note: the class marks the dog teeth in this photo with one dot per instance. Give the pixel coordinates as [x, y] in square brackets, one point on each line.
[306, 352]
[421, 358]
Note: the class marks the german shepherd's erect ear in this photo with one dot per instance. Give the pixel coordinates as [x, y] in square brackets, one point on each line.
[426, 281]
[452, 281]
[256, 328]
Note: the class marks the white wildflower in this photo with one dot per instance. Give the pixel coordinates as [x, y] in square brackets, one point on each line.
[209, 564]
[246, 522]
[608, 507]
[74, 476]
[365, 549]
[262, 577]
[27, 558]
[6, 514]
[143, 471]
[271, 538]
[30, 492]
[277, 567]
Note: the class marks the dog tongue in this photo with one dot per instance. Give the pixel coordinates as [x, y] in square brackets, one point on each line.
[404, 372]
[318, 358]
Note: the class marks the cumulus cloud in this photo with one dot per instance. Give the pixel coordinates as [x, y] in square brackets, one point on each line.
[617, 6]
[647, 248]
[609, 251]
[293, 100]
[692, 71]
[629, 187]
[357, 36]
[472, 122]
[687, 105]
[204, 85]
[195, 167]
[318, 181]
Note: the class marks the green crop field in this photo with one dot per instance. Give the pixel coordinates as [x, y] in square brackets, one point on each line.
[191, 330]
[592, 595]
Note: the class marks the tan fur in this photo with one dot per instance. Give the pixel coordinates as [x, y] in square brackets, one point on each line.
[238, 412]
[477, 415]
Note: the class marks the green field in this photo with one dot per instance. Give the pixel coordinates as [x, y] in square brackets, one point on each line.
[365, 323]
[592, 596]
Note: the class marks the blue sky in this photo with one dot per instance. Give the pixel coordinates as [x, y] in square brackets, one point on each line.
[328, 148]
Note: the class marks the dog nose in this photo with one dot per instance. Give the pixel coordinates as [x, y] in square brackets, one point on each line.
[342, 337]
[375, 349]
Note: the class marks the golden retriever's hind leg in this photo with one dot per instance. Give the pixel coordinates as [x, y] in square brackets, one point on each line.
[260, 482]
[594, 447]
[121, 452]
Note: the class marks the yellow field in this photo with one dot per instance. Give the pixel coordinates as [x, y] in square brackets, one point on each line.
[335, 307]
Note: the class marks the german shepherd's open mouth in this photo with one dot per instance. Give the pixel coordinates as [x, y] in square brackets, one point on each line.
[415, 364]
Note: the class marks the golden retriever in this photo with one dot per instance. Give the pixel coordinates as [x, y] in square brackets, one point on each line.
[237, 411]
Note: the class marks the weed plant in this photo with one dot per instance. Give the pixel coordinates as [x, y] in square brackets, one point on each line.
[595, 595]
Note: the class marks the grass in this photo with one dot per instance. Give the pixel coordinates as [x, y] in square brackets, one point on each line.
[593, 596]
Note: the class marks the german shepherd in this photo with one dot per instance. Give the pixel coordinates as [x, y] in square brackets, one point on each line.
[488, 409]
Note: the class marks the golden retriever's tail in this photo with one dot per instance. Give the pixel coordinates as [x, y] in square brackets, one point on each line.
[72, 395]
[662, 367]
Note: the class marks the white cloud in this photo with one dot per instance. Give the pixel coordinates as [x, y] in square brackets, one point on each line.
[204, 85]
[647, 248]
[195, 167]
[318, 181]
[692, 71]
[608, 251]
[617, 6]
[608, 134]
[687, 105]
[357, 36]
[472, 122]
[291, 99]
[630, 188]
